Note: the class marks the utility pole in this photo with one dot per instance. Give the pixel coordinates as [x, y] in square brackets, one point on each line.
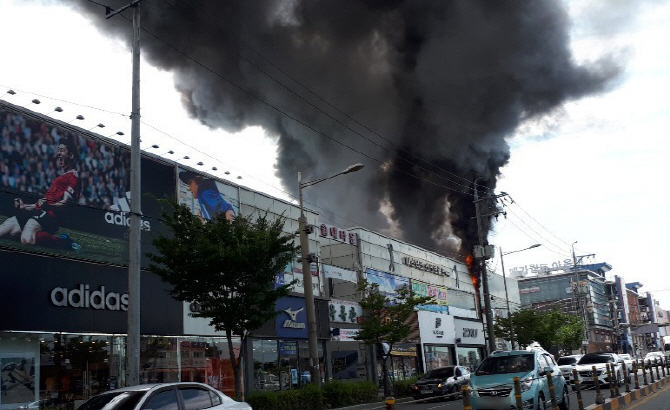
[481, 254]
[134, 240]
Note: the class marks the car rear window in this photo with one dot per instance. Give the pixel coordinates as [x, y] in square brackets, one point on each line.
[126, 400]
[440, 373]
[596, 358]
[506, 364]
[566, 360]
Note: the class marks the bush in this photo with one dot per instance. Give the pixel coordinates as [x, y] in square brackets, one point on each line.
[334, 394]
[308, 398]
[404, 387]
[338, 393]
[261, 400]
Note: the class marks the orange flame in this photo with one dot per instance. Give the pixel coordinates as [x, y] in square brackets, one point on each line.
[470, 261]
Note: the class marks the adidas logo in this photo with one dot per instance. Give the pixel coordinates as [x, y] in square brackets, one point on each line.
[120, 217]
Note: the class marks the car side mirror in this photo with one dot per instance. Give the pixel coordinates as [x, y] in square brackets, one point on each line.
[621, 361]
[548, 369]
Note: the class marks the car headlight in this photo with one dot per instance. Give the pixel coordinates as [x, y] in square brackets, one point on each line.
[439, 386]
[526, 384]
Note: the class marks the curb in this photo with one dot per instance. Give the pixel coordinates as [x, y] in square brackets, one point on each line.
[627, 398]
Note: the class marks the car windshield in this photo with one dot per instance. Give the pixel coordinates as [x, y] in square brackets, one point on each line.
[506, 364]
[124, 400]
[625, 356]
[442, 373]
[567, 360]
[654, 354]
[595, 358]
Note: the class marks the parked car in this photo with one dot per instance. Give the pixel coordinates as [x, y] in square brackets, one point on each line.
[650, 357]
[492, 382]
[164, 396]
[445, 382]
[567, 363]
[599, 360]
[628, 361]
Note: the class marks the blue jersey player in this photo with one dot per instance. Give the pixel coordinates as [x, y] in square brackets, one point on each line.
[209, 198]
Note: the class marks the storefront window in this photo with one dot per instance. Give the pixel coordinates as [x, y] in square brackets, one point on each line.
[437, 356]
[64, 370]
[266, 368]
[344, 364]
[469, 357]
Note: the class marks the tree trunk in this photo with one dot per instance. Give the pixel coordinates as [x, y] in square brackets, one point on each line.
[385, 372]
[235, 363]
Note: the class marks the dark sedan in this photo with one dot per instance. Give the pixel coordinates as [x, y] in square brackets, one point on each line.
[445, 382]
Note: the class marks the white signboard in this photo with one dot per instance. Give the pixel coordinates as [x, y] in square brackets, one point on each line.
[342, 311]
[470, 333]
[333, 272]
[346, 335]
[436, 328]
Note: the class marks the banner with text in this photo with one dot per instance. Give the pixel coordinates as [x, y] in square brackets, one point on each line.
[343, 311]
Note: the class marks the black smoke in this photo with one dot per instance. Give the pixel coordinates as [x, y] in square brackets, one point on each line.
[439, 83]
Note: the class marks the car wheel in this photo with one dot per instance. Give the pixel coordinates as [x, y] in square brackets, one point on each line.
[565, 402]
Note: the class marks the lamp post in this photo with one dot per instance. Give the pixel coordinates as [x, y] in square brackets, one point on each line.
[307, 274]
[509, 312]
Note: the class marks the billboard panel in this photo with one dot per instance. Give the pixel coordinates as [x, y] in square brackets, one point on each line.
[206, 196]
[76, 296]
[65, 192]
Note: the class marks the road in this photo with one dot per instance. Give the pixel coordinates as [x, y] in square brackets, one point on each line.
[588, 397]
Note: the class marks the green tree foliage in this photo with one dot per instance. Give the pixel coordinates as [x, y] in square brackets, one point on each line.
[226, 268]
[385, 320]
[549, 329]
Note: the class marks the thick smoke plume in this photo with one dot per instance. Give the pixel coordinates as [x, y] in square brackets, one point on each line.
[442, 82]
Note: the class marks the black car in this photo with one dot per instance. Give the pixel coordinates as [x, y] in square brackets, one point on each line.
[443, 382]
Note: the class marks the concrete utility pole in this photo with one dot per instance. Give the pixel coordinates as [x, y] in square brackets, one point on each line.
[481, 253]
[485, 280]
[307, 275]
[134, 241]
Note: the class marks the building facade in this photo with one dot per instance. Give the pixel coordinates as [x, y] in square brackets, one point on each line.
[583, 293]
[65, 339]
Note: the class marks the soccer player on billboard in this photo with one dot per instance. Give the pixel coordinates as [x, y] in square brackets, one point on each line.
[207, 193]
[37, 223]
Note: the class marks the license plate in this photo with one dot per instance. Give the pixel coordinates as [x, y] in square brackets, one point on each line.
[426, 391]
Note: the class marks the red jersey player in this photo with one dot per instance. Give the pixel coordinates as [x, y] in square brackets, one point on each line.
[37, 223]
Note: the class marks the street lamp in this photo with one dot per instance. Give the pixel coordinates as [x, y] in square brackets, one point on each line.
[307, 274]
[509, 312]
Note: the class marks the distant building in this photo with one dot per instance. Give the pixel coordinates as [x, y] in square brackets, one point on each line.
[584, 293]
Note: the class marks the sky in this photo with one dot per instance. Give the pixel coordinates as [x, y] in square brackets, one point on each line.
[593, 171]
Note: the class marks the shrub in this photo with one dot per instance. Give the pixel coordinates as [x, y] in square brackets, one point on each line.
[308, 398]
[338, 393]
[335, 394]
[262, 400]
[404, 387]
[365, 392]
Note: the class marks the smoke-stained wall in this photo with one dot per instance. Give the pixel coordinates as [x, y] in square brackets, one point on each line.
[426, 92]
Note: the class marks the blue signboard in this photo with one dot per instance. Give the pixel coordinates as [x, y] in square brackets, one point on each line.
[291, 322]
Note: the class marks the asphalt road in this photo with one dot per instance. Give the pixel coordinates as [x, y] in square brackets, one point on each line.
[588, 398]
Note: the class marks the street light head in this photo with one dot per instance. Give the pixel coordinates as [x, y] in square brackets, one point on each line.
[353, 168]
[535, 246]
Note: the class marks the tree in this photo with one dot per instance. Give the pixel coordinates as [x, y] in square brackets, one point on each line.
[550, 329]
[385, 320]
[227, 268]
